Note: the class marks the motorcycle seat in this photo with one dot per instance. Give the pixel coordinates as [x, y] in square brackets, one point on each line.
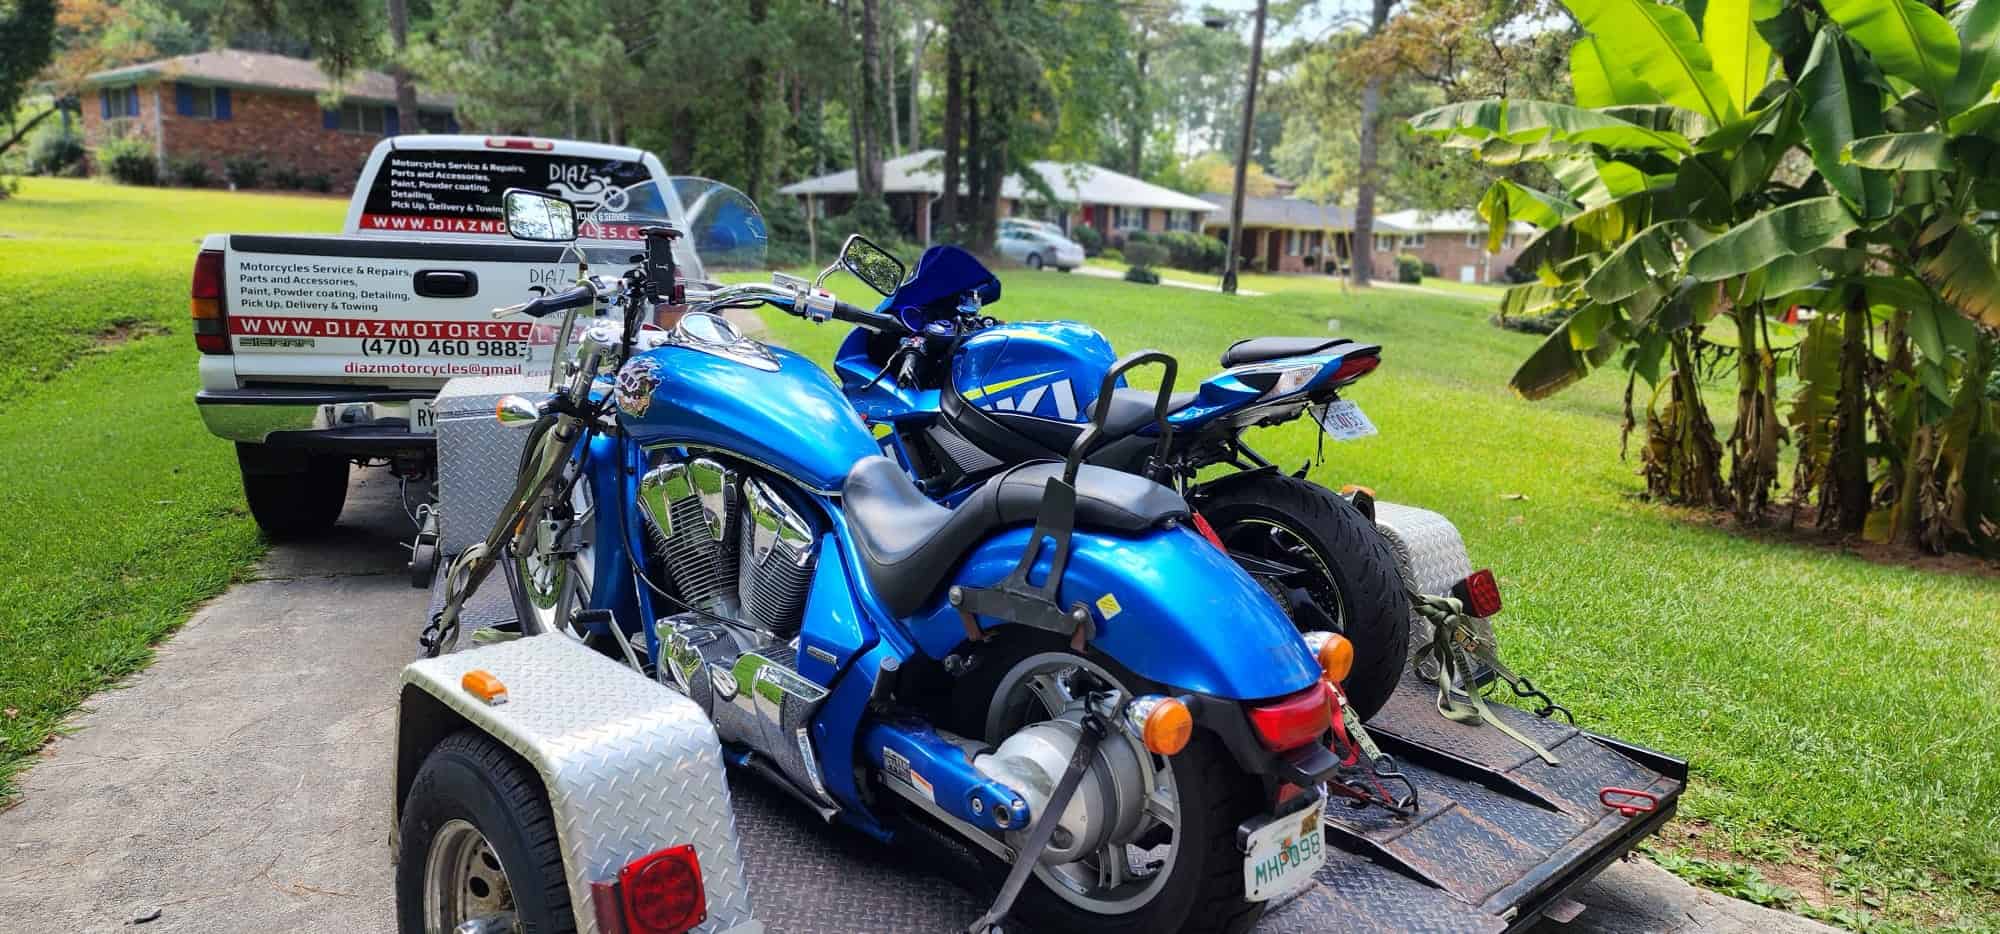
[1259, 349]
[908, 544]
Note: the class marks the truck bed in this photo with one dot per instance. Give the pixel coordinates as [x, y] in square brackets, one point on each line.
[1499, 837]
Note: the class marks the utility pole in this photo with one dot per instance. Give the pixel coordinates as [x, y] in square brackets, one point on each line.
[1243, 153]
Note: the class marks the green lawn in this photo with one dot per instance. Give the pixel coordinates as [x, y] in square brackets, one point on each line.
[122, 513]
[1841, 715]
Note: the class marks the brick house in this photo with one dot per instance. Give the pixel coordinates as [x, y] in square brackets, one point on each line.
[214, 106]
[1288, 234]
[1111, 202]
[1453, 241]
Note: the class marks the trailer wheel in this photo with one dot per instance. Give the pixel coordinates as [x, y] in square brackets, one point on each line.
[293, 494]
[478, 843]
[1355, 580]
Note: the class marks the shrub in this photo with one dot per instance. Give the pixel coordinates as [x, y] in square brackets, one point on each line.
[1431, 269]
[56, 153]
[785, 230]
[1144, 254]
[288, 178]
[1114, 255]
[1087, 237]
[320, 182]
[130, 161]
[190, 172]
[1142, 276]
[243, 171]
[1192, 251]
[1409, 268]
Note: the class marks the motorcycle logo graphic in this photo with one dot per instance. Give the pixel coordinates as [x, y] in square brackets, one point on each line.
[594, 192]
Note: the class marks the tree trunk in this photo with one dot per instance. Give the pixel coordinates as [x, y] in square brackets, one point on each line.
[756, 86]
[867, 112]
[1852, 495]
[954, 124]
[1362, 267]
[916, 121]
[889, 96]
[680, 140]
[407, 118]
[1135, 147]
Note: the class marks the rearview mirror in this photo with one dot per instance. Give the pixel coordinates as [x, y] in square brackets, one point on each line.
[871, 264]
[532, 215]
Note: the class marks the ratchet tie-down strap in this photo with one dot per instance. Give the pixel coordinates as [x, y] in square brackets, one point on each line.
[1455, 645]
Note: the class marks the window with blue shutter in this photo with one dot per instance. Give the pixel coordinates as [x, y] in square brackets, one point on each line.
[131, 102]
[222, 111]
[184, 99]
[104, 98]
[329, 119]
[390, 120]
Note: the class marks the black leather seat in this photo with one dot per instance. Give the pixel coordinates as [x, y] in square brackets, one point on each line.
[909, 543]
[1132, 409]
[1257, 349]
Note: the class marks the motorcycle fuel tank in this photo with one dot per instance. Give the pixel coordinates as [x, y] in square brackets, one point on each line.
[1048, 369]
[766, 404]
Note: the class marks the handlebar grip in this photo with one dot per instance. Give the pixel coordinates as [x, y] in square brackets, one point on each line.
[505, 311]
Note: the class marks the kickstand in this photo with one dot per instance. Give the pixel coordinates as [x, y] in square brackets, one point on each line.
[1045, 827]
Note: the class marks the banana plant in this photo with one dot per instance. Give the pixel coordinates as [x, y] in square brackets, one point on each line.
[1806, 189]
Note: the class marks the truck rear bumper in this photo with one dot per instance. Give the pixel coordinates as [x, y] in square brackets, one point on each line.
[360, 421]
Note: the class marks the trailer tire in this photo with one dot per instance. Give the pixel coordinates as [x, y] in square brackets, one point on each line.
[1357, 561]
[470, 778]
[293, 494]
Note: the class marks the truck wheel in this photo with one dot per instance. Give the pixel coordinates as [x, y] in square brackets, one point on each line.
[1352, 575]
[293, 494]
[478, 843]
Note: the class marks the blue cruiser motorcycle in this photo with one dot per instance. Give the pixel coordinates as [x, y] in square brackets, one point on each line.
[965, 397]
[1055, 668]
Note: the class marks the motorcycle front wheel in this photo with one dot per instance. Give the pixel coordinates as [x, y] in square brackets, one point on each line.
[1348, 575]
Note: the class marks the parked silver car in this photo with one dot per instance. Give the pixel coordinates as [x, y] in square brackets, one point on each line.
[1036, 245]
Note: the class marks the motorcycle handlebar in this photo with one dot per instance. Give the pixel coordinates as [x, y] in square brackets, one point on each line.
[550, 304]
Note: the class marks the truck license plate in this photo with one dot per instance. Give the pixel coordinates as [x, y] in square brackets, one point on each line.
[1345, 421]
[1285, 854]
[423, 417]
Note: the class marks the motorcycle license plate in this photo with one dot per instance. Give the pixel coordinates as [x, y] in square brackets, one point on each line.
[423, 417]
[1345, 421]
[1285, 854]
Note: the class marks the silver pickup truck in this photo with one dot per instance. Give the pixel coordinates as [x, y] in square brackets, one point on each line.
[322, 350]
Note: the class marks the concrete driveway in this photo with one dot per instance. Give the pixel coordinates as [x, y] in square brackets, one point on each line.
[241, 783]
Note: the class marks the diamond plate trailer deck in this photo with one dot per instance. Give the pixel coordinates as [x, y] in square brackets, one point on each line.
[1499, 838]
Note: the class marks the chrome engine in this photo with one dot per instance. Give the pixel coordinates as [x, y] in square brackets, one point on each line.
[742, 558]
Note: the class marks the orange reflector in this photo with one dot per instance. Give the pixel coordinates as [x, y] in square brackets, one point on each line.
[482, 684]
[1336, 658]
[1352, 488]
[1168, 727]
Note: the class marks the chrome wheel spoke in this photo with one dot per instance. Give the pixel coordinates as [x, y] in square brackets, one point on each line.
[1050, 691]
[1162, 806]
[1112, 867]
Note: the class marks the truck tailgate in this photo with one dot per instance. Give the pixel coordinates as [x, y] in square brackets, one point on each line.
[355, 309]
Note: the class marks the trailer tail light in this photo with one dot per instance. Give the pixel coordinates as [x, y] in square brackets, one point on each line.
[662, 893]
[1290, 722]
[1479, 592]
[516, 142]
[1354, 367]
[211, 320]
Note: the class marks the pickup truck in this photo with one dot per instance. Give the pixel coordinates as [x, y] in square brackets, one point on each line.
[320, 351]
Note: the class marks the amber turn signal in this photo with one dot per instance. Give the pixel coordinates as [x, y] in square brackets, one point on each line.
[1164, 723]
[1334, 652]
[482, 684]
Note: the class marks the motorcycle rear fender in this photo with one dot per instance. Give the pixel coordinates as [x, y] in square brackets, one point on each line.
[1167, 605]
[1226, 393]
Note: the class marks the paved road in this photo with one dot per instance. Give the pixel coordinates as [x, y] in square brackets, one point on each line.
[240, 784]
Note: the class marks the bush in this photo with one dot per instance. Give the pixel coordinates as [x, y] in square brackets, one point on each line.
[56, 153]
[243, 171]
[1409, 268]
[1431, 269]
[785, 230]
[1144, 254]
[1114, 255]
[130, 161]
[190, 172]
[320, 182]
[1087, 237]
[1534, 324]
[1142, 275]
[1192, 251]
[288, 178]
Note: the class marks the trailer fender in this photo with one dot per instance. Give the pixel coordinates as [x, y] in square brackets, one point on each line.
[630, 767]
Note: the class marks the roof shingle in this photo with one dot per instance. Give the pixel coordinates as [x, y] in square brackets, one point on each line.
[261, 70]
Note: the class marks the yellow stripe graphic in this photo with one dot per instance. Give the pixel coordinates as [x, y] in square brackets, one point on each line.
[1005, 385]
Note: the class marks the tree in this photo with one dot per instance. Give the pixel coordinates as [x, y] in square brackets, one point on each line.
[27, 41]
[1787, 154]
[399, 41]
[1361, 265]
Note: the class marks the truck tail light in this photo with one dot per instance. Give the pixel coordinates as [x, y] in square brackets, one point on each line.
[517, 142]
[1290, 722]
[211, 318]
[1480, 593]
[660, 893]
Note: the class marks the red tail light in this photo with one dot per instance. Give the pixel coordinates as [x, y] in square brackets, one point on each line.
[1479, 592]
[1354, 367]
[515, 142]
[662, 893]
[1294, 721]
[211, 318]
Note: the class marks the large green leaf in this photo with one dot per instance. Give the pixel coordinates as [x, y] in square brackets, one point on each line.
[1793, 230]
[1557, 363]
[1524, 122]
[1900, 152]
[1981, 114]
[1963, 273]
[1904, 37]
[1742, 57]
[1657, 44]
[1587, 76]
[1842, 106]
[1531, 299]
[1507, 202]
[1978, 23]
[1652, 255]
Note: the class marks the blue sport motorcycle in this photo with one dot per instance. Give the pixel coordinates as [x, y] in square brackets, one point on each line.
[963, 397]
[1056, 668]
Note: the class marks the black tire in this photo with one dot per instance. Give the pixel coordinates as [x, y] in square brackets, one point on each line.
[293, 494]
[1354, 557]
[1204, 893]
[470, 777]
[1034, 261]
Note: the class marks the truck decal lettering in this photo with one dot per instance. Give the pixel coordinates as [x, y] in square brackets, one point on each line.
[376, 327]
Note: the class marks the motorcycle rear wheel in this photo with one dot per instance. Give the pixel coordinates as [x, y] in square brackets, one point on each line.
[1303, 524]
